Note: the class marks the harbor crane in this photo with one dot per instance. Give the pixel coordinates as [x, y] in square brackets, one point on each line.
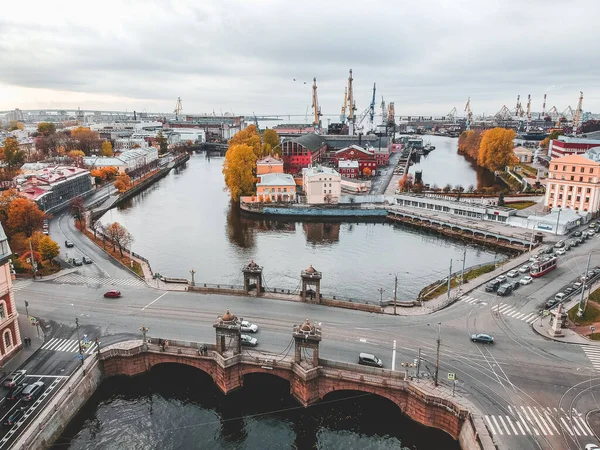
[452, 115]
[315, 105]
[383, 112]
[543, 108]
[504, 114]
[391, 115]
[519, 108]
[178, 108]
[372, 108]
[529, 108]
[577, 115]
[469, 114]
[344, 106]
[351, 104]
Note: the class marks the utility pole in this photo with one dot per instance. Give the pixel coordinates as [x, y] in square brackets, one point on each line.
[394, 356]
[419, 362]
[437, 359]
[462, 275]
[79, 341]
[26, 310]
[580, 309]
[33, 263]
[193, 272]
[449, 281]
[395, 292]
[557, 222]
[381, 291]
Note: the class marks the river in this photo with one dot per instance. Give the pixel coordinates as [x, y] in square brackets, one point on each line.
[179, 408]
[185, 221]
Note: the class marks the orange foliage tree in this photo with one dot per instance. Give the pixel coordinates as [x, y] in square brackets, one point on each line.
[238, 169]
[405, 183]
[469, 142]
[497, 149]
[367, 172]
[248, 136]
[24, 216]
[123, 182]
[86, 139]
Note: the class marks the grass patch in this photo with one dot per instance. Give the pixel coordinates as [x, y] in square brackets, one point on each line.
[520, 205]
[116, 254]
[530, 171]
[595, 336]
[590, 315]
[455, 281]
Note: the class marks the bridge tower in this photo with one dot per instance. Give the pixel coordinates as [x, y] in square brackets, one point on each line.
[253, 275]
[306, 338]
[311, 278]
[228, 335]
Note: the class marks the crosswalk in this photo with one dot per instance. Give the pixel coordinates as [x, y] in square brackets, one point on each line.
[513, 313]
[593, 354]
[21, 284]
[537, 421]
[68, 345]
[74, 278]
[472, 300]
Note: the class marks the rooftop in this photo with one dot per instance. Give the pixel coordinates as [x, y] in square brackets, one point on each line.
[311, 141]
[574, 159]
[343, 164]
[577, 140]
[50, 175]
[319, 170]
[269, 160]
[276, 179]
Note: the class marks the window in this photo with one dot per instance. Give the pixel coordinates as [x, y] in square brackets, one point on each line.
[570, 188]
[568, 197]
[589, 180]
[582, 169]
[578, 189]
[588, 190]
[587, 200]
[578, 198]
[7, 340]
[555, 166]
[591, 170]
[560, 196]
[284, 190]
[573, 169]
[580, 178]
[564, 167]
[2, 312]
[572, 178]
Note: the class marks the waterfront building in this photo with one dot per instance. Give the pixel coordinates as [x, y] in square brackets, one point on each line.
[303, 152]
[573, 183]
[321, 185]
[348, 169]
[53, 187]
[569, 145]
[524, 155]
[138, 157]
[100, 162]
[269, 164]
[221, 128]
[277, 187]
[10, 334]
[367, 158]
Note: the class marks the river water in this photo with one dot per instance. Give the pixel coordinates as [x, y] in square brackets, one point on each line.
[185, 221]
[179, 408]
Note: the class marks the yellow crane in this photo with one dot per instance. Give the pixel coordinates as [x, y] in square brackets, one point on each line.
[344, 106]
[315, 105]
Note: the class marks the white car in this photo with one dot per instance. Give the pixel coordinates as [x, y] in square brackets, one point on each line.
[249, 340]
[501, 278]
[591, 233]
[561, 251]
[525, 280]
[248, 327]
[524, 268]
[513, 273]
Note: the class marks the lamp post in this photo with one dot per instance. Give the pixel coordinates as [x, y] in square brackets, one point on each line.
[144, 330]
[78, 338]
[557, 222]
[193, 272]
[437, 358]
[381, 291]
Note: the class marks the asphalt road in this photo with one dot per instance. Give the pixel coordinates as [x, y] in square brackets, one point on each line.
[533, 392]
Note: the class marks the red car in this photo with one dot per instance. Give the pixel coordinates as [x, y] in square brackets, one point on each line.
[112, 294]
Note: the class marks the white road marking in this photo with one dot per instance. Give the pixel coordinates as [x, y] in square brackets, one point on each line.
[498, 426]
[155, 300]
[566, 426]
[490, 425]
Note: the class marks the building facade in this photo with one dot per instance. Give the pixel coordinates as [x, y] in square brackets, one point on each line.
[269, 164]
[302, 152]
[366, 158]
[10, 335]
[567, 145]
[573, 184]
[348, 169]
[276, 187]
[321, 185]
[524, 155]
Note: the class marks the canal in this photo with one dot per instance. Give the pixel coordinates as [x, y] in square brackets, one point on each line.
[176, 407]
[185, 222]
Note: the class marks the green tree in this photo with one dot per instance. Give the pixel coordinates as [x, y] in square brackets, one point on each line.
[106, 149]
[46, 128]
[496, 149]
[238, 169]
[163, 145]
[48, 248]
[271, 142]
[12, 155]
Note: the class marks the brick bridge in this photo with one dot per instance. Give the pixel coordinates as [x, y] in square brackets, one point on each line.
[310, 377]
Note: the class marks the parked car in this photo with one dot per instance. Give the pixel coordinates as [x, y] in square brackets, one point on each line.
[568, 290]
[492, 286]
[524, 268]
[597, 270]
[86, 260]
[367, 359]
[576, 286]
[112, 294]
[501, 278]
[559, 244]
[560, 296]
[504, 290]
[526, 280]
[46, 232]
[14, 417]
[482, 338]
[249, 340]
[576, 233]
[32, 391]
[15, 393]
[593, 225]
[69, 244]
[15, 378]
[248, 326]
[515, 285]
[513, 273]
[77, 262]
[561, 251]
[550, 303]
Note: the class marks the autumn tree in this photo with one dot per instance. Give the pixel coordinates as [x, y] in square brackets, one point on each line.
[85, 139]
[15, 125]
[46, 128]
[6, 198]
[469, 142]
[496, 149]
[248, 136]
[11, 154]
[77, 210]
[238, 169]
[119, 236]
[24, 216]
[271, 143]
[76, 154]
[367, 172]
[123, 182]
[406, 183]
[163, 145]
[48, 248]
[106, 149]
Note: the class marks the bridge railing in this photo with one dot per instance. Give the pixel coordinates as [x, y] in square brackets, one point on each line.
[360, 369]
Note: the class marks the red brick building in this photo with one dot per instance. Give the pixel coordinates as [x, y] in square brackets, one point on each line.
[568, 145]
[371, 158]
[303, 151]
[10, 336]
[348, 169]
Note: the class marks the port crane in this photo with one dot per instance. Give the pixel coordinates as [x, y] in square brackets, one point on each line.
[344, 106]
[469, 114]
[504, 114]
[351, 104]
[543, 108]
[383, 112]
[577, 115]
[178, 108]
[391, 115]
[519, 108]
[315, 105]
[528, 108]
[372, 108]
[452, 115]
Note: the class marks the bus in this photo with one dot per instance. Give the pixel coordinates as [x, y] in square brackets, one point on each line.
[542, 267]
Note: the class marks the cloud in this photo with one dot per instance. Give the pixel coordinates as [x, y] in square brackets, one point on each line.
[425, 56]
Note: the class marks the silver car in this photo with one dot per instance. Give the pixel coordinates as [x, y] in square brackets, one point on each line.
[248, 327]
[249, 340]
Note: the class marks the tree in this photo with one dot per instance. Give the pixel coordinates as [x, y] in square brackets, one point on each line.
[12, 155]
[469, 142]
[6, 198]
[163, 145]
[119, 236]
[447, 188]
[406, 183]
[123, 182]
[75, 154]
[271, 143]
[471, 189]
[46, 128]
[15, 125]
[248, 136]
[48, 248]
[77, 210]
[106, 149]
[496, 149]
[238, 169]
[24, 216]
[367, 172]
[85, 139]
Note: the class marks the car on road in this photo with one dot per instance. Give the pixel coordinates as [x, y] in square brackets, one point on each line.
[515, 285]
[576, 286]
[550, 303]
[482, 338]
[568, 290]
[15, 393]
[77, 262]
[504, 290]
[46, 232]
[597, 270]
[248, 327]
[560, 296]
[559, 244]
[368, 359]
[592, 447]
[576, 233]
[561, 251]
[513, 273]
[15, 378]
[69, 244]
[492, 286]
[14, 417]
[524, 268]
[526, 280]
[501, 278]
[249, 340]
[591, 233]
[32, 391]
[86, 260]
[112, 294]
[593, 225]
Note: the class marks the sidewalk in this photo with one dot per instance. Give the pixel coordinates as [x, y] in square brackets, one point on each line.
[27, 330]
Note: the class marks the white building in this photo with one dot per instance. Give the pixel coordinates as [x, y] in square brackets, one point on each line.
[321, 185]
[129, 143]
[139, 157]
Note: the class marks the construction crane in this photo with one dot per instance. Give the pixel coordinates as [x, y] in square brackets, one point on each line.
[358, 127]
[391, 115]
[452, 115]
[577, 115]
[178, 108]
[372, 108]
[519, 108]
[529, 108]
[469, 114]
[344, 106]
[544, 107]
[256, 121]
[383, 112]
[351, 103]
[315, 105]
[504, 114]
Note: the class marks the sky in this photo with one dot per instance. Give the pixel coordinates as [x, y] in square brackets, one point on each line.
[242, 57]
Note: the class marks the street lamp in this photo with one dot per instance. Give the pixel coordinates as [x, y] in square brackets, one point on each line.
[144, 330]
[78, 339]
[437, 359]
[193, 272]
[381, 291]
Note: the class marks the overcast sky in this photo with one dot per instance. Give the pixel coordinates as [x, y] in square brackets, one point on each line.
[242, 56]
